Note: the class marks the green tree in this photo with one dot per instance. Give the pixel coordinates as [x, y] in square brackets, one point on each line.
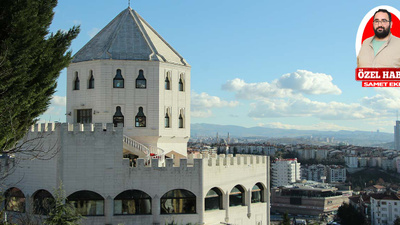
[31, 59]
[285, 219]
[350, 216]
[62, 213]
[397, 221]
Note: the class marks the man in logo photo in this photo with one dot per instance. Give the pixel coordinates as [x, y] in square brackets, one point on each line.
[382, 49]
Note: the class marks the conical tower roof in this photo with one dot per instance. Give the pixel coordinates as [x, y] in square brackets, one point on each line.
[129, 37]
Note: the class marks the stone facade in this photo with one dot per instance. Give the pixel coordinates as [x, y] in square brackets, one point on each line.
[113, 167]
[91, 160]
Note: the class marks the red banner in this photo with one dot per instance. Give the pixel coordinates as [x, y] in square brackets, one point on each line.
[378, 74]
[381, 83]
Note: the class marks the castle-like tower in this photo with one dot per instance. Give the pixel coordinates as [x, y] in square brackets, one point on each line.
[129, 74]
[129, 94]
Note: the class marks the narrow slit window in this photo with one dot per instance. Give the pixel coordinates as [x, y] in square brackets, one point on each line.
[167, 82]
[118, 117]
[76, 81]
[140, 119]
[118, 80]
[181, 83]
[166, 120]
[181, 121]
[91, 80]
[141, 80]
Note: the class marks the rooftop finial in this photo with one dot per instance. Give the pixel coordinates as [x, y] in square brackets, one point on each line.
[129, 3]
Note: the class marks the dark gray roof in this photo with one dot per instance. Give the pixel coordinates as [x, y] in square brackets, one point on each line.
[128, 37]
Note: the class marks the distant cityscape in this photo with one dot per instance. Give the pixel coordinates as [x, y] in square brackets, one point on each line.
[312, 176]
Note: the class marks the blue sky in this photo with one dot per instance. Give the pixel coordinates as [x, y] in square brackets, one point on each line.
[283, 64]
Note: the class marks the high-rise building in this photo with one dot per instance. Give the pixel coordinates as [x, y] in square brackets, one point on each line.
[285, 171]
[397, 136]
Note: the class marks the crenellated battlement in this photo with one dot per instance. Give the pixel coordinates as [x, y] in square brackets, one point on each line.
[74, 128]
[238, 160]
[44, 127]
[205, 160]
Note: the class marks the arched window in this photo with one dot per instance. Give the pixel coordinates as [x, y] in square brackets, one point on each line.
[140, 80]
[118, 117]
[167, 82]
[181, 120]
[236, 197]
[14, 200]
[140, 119]
[132, 202]
[257, 193]
[118, 80]
[178, 201]
[91, 80]
[213, 199]
[166, 120]
[181, 84]
[43, 201]
[87, 203]
[76, 81]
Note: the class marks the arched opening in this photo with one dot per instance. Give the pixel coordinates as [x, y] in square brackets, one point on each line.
[141, 80]
[236, 196]
[118, 81]
[167, 82]
[213, 199]
[132, 202]
[178, 201]
[140, 119]
[257, 193]
[14, 200]
[43, 201]
[76, 81]
[91, 80]
[118, 117]
[87, 203]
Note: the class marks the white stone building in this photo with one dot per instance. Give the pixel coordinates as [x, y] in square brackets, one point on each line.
[351, 161]
[134, 169]
[316, 173]
[284, 172]
[384, 209]
[336, 174]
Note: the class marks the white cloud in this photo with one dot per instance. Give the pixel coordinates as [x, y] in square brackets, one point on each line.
[386, 99]
[203, 103]
[254, 91]
[318, 126]
[307, 108]
[204, 113]
[58, 100]
[284, 98]
[307, 82]
[290, 85]
[93, 32]
[204, 100]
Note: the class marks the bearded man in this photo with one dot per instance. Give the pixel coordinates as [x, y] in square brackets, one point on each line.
[382, 49]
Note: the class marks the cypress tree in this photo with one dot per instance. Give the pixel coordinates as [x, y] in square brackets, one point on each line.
[31, 59]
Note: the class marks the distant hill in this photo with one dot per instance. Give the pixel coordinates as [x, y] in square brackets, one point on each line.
[363, 138]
